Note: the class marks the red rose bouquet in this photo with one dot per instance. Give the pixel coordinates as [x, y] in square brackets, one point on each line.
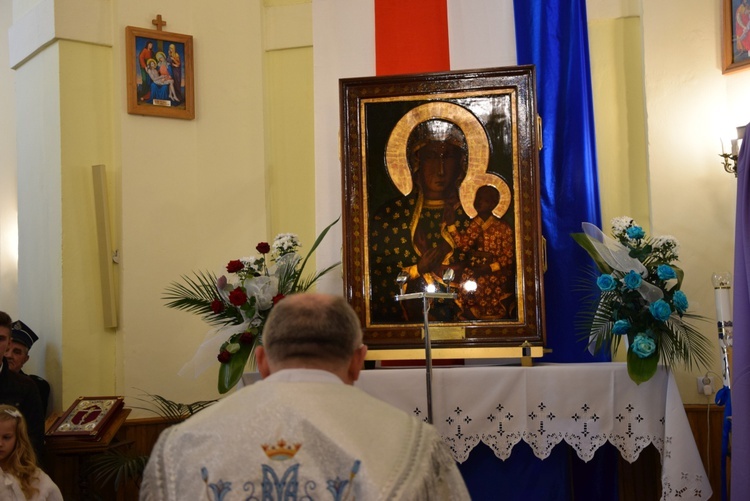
[238, 303]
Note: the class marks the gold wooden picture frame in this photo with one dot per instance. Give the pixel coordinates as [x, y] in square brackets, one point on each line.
[159, 69]
[404, 215]
[735, 35]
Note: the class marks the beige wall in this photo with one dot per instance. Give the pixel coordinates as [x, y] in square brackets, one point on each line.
[190, 195]
[288, 77]
[617, 85]
[289, 132]
[86, 136]
[194, 193]
[210, 189]
[689, 105]
[664, 170]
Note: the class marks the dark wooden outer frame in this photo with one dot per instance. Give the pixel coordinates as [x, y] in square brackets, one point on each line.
[186, 109]
[730, 62]
[480, 339]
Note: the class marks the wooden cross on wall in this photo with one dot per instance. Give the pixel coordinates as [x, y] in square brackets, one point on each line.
[158, 22]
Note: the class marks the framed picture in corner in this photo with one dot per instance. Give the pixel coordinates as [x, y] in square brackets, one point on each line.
[159, 69]
[735, 35]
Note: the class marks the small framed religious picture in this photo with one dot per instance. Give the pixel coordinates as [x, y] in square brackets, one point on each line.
[159, 69]
[441, 192]
[87, 417]
[735, 35]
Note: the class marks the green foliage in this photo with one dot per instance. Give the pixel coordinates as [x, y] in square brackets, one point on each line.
[685, 345]
[642, 369]
[173, 412]
[117, 466]
[230, 373]
[195, 295]
[309, 283]
[584, 242]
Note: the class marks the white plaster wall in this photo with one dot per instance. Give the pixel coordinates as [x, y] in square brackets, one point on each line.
[40, 270]
[8, 191]
[347, 46]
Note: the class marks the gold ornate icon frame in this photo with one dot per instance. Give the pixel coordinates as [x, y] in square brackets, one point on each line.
[495, 109]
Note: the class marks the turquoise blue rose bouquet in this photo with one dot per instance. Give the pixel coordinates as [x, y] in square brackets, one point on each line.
[640, 300]
[239, 303]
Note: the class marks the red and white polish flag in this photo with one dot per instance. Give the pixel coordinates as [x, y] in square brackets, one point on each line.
[361, 38]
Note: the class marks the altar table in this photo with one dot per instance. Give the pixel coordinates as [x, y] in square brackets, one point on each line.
[584, 405]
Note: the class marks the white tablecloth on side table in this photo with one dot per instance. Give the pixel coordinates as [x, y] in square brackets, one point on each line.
[584, 405]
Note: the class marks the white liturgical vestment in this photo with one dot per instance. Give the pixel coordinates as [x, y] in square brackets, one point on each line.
[301, 434]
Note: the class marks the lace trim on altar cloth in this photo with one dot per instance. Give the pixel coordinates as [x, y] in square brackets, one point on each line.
[583, 405]
[585, 430]
[686, 485]
[537, 430]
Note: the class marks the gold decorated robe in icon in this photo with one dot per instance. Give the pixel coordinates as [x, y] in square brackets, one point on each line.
[400, 233]
[489, 249]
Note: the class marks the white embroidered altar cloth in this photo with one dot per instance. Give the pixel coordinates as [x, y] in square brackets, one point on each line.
[584, 405]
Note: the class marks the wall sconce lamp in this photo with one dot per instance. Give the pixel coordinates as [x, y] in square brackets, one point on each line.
[729, 160]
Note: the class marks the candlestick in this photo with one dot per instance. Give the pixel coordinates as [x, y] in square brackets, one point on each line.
[722, 294]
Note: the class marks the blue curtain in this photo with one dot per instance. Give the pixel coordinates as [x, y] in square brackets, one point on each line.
[552, 35]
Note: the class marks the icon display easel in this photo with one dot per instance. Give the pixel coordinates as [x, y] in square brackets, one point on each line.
[426, 297]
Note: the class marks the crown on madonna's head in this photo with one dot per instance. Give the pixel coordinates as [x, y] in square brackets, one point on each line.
[436, 130]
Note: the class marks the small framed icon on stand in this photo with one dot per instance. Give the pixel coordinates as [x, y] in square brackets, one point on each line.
[87, 418]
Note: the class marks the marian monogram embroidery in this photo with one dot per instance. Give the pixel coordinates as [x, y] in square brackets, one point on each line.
[281, 483]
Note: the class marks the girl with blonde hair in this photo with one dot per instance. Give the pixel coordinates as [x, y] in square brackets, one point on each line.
[20, 478]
